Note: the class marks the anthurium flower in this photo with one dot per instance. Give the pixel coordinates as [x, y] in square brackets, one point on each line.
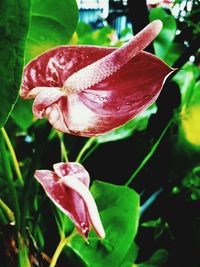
[160, 3]
[90, 90]
[68, 187]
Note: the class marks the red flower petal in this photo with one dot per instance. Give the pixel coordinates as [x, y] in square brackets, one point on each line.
[67, 187]
[104, 88]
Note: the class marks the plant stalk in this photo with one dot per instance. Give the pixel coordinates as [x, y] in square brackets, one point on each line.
[63, 242]
[149, 155]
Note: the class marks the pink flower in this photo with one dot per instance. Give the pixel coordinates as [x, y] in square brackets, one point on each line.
[67, 186]
[160, 3]
[89, 90]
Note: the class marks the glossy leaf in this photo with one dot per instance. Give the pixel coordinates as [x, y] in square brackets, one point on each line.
[13, 29]
[101, 37]
[130, 256]
[22, 115]
[189, 128]
[190, 118]
[102, 91]
[191, 183]
[158, 259]
[164, 40]
[52, 24]
[174, 52]
[119, 211]
[186, 79]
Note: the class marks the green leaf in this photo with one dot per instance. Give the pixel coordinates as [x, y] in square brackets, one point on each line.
[139, 123]
[14, 21]
[130, 256]
[192, 183]
[190, 118]
[83, 29]
[119, 211]
[174, 52]
[165, 38]
[101, 37]
[189, 127]
[52, 23]
[22, 114]
[186, 79]
[152, 223]
[158, 259]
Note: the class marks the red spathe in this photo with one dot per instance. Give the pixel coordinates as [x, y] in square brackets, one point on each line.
[89, 90]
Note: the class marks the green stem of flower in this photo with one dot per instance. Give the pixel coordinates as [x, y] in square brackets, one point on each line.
[13, 155]
[23, 257]
[61, 245]
[40, 144]
[90, 152]
[8, 173]
[149, 155]
[87, 145]
[64, 156]
[3, 218]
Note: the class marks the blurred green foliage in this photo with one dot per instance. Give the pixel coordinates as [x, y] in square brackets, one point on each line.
[14, 22]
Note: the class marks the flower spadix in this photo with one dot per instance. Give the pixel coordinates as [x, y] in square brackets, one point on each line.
[90, 90]
[68, 187]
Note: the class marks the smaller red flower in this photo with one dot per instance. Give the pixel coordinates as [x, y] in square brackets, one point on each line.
[68, 187]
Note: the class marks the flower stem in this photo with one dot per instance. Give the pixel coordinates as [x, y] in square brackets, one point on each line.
[8, 174]
[13, 155]
[63, 242]
[90, 152]
[64, 156]
[39, 147]
[23, 257]
[149, 155]
[87, 145]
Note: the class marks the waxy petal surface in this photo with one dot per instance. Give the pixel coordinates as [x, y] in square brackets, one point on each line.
[94, 102]
[67, 187]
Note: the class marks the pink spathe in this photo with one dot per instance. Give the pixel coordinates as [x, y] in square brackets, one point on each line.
[68, 187]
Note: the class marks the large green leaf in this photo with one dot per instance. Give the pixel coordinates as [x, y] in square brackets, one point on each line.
[158, 259]
[174, 52]
[119, 211]
[188, 80]
[52, 23]
[22, 114]
[164, 40]
[190, 127]
[14, 21]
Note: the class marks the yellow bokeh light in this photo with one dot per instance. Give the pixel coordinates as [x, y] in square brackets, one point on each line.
[190, 120]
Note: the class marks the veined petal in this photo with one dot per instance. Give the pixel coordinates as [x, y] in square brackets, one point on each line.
[52, 68]
[45, 99]
[74, 169]
[68, 188]
[124, 94]
[87, 197]
[37, 90]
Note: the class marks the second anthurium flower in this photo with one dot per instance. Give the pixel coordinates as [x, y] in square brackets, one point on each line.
[90, 90]
[68, 187]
